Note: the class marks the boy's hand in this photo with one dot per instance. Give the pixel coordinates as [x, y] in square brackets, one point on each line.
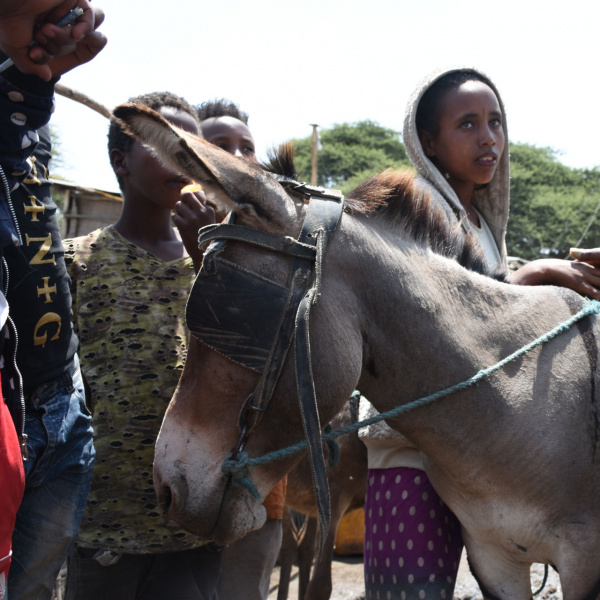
[191, 213]
[22, 21]
[578, 276]
[591, 256]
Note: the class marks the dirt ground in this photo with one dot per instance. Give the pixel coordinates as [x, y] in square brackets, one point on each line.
[348, 582]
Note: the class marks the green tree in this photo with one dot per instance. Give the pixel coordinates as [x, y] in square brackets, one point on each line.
[56, 165]
[350, 153]
[553, 207]
[57, 162]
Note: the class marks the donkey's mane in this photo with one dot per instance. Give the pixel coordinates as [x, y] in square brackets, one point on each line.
[396, 198]
[280, 161]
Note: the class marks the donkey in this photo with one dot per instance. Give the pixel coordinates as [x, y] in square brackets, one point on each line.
[516, 457]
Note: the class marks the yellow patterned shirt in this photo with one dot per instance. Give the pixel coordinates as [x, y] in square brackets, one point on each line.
[129, 312]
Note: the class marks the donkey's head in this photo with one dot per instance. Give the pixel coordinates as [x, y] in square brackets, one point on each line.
[201, 424]
[232, 184]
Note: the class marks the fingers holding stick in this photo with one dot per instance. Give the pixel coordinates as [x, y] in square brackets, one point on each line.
[35, 31]
[191, 213]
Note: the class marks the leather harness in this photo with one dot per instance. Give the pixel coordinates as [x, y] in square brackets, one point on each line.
[252, 321]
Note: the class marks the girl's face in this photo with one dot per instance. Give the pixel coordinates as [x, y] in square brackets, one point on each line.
[230, 134]
[470, 139]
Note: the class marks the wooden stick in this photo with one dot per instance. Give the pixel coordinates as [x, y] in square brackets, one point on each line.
[67, 92]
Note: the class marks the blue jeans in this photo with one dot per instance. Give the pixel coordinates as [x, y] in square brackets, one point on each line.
[58, 476]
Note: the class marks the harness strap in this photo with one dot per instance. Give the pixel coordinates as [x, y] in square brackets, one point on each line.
[282, 244]
[303, 189]
[319, 226]
[320, 223]
[310, 415]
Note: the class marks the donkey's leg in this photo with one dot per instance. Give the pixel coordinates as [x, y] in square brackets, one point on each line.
[498, 576]
[306, 555]
[320, 585]
[579, 572]
[287, 555]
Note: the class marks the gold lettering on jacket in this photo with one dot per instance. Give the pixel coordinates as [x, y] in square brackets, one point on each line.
[51, 322]
[33, 179]
[46, 290]
[39, 339]
[39, 258]
[34, 208]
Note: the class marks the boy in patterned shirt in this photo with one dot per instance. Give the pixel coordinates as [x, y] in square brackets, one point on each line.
[130, 285]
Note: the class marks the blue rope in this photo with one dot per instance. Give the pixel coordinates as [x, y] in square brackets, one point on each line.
[334, 449]
[238, 469]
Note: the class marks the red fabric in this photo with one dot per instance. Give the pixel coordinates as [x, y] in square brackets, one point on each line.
[275, 500]
[12, 483]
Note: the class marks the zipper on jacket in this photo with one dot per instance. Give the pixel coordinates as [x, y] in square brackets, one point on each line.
[11, 208]
[19, 383]
[19, 379]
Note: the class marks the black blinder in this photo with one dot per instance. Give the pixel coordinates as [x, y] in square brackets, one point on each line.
[235, 312]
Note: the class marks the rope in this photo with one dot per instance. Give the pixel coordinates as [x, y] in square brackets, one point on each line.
[539, 590]
[334, 449]
[239, 469]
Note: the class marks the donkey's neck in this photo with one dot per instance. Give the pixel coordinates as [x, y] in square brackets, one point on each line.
[429, 323]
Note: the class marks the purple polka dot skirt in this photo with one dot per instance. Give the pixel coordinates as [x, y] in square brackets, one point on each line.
[412, 539]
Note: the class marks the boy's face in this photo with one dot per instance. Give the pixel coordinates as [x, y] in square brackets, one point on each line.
[147, 176]
[230, 134]
[470, 140]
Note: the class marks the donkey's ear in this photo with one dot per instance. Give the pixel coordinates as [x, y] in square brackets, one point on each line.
[231, 183]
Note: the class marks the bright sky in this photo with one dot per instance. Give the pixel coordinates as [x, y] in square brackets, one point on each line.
[290, 63]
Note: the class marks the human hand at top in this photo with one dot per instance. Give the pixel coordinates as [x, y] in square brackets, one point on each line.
[191, 213]
[69, 55]
[590, 256]
[23, 21]
[581, 277]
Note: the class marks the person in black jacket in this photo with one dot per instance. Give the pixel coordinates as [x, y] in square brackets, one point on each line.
[57, 426]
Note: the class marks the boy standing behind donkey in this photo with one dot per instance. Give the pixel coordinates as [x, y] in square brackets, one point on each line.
[130, 285]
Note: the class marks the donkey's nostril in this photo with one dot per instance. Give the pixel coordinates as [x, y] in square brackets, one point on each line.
[165, 498]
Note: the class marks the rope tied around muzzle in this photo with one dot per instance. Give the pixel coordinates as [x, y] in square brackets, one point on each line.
[238, 469]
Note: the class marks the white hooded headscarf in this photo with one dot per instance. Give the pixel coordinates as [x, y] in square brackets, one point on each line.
[492, 201]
